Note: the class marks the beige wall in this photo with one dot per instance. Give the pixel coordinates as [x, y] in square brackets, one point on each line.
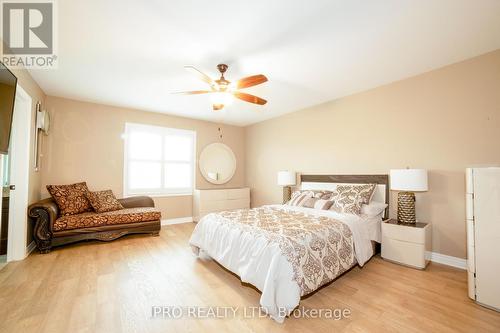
[444, 121]
[85, 144]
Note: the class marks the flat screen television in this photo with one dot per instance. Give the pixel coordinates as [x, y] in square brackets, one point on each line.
[8, 83]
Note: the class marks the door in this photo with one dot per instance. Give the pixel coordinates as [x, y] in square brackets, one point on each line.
[4, 204]
[487, 235]
[19, 167]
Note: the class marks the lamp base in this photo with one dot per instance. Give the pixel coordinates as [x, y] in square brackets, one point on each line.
[406, 207]
[287, 194]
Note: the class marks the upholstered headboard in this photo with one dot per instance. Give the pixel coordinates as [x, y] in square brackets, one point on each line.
[330, 182]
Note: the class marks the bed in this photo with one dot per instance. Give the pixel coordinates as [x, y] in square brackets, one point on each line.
[288, 252]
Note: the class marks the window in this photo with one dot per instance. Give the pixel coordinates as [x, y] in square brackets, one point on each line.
[158, 160]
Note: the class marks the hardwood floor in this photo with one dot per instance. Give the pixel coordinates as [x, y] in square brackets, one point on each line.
[111, 287]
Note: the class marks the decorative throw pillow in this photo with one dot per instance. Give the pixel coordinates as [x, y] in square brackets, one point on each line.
[104, 201]
[318, 194]
[309, 202]
[71, 199]
[329, 195]
[323, 204]
[313, 193]
[299, 198]
[317, 203]
[350, 198]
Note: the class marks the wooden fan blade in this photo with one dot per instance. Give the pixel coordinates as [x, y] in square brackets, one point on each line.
[218, 107]
[194, 92]
[251, 81]
[249, 98]
[204, 77]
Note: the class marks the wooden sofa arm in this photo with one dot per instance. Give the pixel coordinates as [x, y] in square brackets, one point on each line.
[43, 213]
[134, 202]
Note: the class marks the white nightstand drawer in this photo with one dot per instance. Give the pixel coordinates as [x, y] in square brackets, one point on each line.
[407, 253]
[406, 234]
[406, 243]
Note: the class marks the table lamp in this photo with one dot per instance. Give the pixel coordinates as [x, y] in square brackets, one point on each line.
[286, 179]
[408, 181]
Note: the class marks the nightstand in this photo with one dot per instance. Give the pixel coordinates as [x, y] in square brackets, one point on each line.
[406, 243]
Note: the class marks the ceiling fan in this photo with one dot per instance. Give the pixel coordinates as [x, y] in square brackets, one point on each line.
[223, 90]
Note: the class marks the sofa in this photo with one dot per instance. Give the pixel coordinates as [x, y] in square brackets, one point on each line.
[51, 229]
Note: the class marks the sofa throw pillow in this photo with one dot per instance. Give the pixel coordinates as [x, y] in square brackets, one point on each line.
[104, 201]
[71, 199]
[350, 198]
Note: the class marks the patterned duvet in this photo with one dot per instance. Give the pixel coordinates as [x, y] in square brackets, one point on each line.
[286, 252]
[318, 248]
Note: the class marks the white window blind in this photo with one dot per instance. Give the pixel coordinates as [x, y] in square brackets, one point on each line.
[158, 160]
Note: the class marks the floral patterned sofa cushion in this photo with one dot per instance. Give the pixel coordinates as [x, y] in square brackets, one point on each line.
[71, 199]
[91, 219]
[104, 201]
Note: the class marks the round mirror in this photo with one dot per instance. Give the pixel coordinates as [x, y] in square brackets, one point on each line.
[217, 163]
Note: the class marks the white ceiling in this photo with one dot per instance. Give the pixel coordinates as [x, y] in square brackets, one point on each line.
[131, 53]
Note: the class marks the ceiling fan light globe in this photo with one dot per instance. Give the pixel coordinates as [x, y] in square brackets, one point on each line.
[224, 98]
[232, 87]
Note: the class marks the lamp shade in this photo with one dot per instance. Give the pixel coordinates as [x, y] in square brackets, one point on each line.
[410, 180]
[286, 178]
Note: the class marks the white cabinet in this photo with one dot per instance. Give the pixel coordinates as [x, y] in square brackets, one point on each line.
[217, 200]
[483, 235]
[406, 244]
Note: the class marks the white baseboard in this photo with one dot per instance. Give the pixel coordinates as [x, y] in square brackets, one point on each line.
[187, 219]
[30, 248]
[447, 260]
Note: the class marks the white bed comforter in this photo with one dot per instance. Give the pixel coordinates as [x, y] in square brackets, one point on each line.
[260, 263]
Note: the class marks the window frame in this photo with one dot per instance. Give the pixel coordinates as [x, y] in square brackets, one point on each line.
[162, 191]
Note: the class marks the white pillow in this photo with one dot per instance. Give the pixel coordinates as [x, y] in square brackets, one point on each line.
[374, 208]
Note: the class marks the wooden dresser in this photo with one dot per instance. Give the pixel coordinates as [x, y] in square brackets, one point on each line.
[217, 200]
